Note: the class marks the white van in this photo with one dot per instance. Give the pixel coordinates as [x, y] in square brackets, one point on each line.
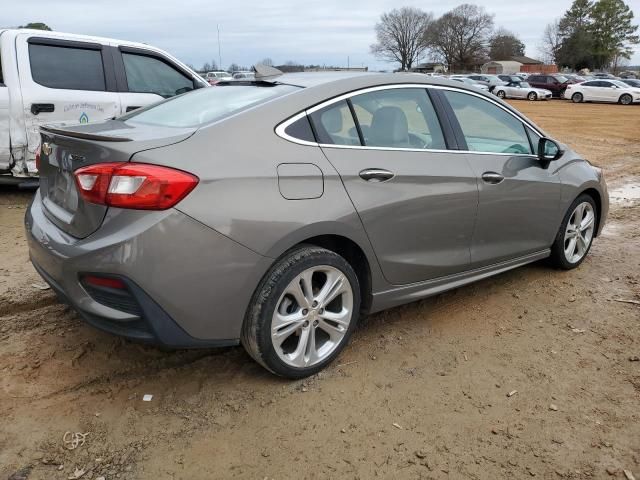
[55, 78]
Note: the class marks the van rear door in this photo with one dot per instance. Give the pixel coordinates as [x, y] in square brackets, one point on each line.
[63, 82]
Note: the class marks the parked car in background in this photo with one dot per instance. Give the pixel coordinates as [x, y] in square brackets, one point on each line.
[277, 212]
[218, 76]
[605, 75]
[489, 80]
[556, 83]
[521, 90]
[469, 81]
[611, 91]
[243, 75]
[632, 82]
[510, 78]
[61, 78]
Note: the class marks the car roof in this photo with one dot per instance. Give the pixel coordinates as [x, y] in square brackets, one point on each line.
[74, 36]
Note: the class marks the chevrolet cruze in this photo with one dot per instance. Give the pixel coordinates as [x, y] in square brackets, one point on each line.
[278, 211]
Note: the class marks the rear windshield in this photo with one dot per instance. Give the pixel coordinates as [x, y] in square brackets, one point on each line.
[206, 105]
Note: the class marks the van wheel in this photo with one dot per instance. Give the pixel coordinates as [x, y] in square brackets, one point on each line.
[577, 98]
[501, 94]
[302, 313]
[576, 233]
[532, 96]
[626, 99]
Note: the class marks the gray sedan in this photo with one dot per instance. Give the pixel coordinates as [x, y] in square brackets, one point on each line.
[278, 212]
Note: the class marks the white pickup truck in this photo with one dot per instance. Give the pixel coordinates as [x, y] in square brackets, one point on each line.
[60, 78]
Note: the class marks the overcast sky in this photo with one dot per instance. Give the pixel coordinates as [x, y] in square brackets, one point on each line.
[307, 31]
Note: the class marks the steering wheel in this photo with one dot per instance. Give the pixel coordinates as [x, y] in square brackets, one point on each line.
[516, 148]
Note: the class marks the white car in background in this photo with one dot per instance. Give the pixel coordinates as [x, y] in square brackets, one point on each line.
[470, 82]
[521, 90]
[612, 91]
[217, 76]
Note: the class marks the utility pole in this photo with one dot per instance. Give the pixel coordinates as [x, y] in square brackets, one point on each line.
[219, 54]
[347, 62]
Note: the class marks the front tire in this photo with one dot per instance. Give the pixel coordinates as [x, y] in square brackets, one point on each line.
[302, 313]
[577, 98]
[501, 94]
[575, 236]
[532, 96]
[626, 99]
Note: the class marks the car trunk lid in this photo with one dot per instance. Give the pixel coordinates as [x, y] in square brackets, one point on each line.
[64, 150]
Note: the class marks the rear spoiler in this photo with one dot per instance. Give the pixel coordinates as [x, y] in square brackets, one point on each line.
[84, 136]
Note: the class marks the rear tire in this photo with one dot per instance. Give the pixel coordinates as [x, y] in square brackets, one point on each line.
[532, 96]
[577, 98]
[575, 235]
[302, 313]
[626, 99]
[501, 94]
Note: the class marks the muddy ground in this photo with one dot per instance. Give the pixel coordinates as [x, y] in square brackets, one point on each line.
[422, 391]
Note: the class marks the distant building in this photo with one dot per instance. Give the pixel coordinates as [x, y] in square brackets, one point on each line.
[499, 67]
[527, 61]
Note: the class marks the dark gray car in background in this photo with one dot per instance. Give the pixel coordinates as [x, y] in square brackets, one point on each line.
[277, 212]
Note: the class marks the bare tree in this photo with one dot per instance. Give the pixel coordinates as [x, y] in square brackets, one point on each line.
[266, 61]
[551, 42]
[460, 37]
[401, 36]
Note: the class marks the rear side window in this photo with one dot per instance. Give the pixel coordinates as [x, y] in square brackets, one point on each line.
[146, 74]
[334, 124]
[487, 127]
[301, 129]
[398, 118]
[68, 68]
[206, 105]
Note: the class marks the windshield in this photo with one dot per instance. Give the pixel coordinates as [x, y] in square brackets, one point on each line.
[206, 105]
[524, 84]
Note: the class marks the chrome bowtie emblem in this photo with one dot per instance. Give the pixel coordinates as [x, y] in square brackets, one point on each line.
[46, 148]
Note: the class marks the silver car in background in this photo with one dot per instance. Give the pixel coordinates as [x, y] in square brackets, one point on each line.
[470, 82]
[522, 90]
[278, 212]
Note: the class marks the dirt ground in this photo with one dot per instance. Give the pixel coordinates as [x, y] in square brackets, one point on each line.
[532, 373]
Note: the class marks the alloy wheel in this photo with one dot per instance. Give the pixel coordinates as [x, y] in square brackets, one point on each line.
[532, 96]
[579, 232]
[501, 94]
[626, 99]
[576, 98]
[312, 316]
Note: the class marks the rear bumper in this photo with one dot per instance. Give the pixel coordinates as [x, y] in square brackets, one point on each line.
[192, 285]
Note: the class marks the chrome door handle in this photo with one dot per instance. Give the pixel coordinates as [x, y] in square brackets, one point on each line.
[492, 177]
[376, 175]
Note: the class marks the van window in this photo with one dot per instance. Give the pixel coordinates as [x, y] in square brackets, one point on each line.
[69, 68]
[146, 74]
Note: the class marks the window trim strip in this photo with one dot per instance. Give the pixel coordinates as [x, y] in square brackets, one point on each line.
[280, 128]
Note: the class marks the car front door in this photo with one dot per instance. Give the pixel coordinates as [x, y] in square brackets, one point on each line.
[519, 196]
[417, 201]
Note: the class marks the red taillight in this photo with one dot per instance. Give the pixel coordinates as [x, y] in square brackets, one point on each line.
[134, 185]
[104, 282]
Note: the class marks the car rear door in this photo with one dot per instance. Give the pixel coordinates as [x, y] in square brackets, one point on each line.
[416, 199]
[146, 76]
[63, 81]
[519, 197]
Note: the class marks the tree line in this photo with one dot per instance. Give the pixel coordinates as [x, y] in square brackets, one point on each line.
[593, 34]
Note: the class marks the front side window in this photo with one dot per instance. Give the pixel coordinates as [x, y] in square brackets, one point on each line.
[68, 68]
[334, 124]
[487, 127]
[146, 74]
[398, 118]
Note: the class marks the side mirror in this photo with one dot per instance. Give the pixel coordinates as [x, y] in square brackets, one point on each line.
[548, 150]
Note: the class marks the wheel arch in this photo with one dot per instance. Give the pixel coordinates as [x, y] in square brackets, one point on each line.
[597, 197]
[354, 255]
